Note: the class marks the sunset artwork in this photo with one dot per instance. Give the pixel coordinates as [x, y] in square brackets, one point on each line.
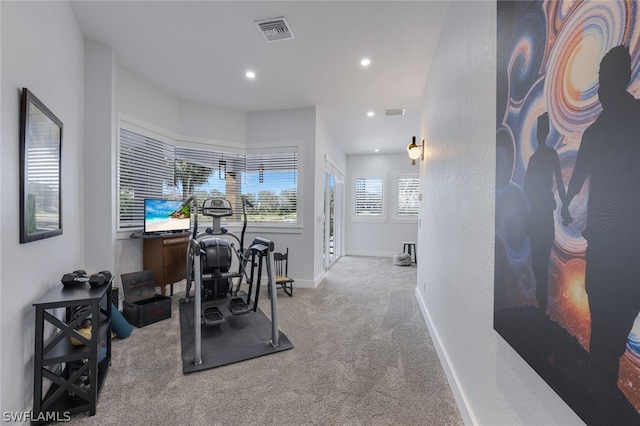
[567, 246]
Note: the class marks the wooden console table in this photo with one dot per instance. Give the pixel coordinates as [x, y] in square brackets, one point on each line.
[166, 257]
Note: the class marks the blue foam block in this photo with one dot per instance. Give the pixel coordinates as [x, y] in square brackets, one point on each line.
[119, 324]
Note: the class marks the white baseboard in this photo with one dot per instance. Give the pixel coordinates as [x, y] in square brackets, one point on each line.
[371, 253]
[319, 279]
[454, 383]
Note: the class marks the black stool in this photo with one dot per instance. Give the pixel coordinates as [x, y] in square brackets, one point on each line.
[410, 247]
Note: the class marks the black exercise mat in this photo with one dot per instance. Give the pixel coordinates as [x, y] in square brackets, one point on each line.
[239, 338]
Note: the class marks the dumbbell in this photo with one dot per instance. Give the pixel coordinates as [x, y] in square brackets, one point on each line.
[107, 275]
[100, 278]
[80, 276]
[75, 277]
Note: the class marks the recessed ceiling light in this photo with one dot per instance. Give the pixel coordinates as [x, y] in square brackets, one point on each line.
[251, 74]
[376, 150]
[365, 62]
[370, 113]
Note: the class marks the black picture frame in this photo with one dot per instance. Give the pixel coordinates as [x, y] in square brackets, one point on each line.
[40, 167]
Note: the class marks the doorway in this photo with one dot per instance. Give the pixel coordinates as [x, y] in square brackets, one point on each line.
[333, 191]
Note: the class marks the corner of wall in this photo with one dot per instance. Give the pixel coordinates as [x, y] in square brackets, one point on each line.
[99, 142]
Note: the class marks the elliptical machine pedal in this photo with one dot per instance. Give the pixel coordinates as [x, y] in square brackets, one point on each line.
[238, 307]
[212, 316]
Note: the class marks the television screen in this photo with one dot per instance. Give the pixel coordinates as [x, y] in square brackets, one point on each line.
[166, 216]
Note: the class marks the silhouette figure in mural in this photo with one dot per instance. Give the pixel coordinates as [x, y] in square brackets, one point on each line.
[609, 155]
[543, 166]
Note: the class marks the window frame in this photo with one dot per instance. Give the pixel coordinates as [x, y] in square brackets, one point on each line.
[275, 150]
[181, 142]
[396, 216]
[382, 217]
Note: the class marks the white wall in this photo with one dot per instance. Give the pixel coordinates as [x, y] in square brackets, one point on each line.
[203, 121]
[146, 102]
[100, 162]
[378, 237]
[288, 127]
[43, 50]
[326, 146]
[326, 149]
[494, 386]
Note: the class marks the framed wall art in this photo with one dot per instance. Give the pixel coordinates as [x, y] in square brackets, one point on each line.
[40, 162]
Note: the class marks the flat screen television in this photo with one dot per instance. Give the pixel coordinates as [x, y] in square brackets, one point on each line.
[164, 216]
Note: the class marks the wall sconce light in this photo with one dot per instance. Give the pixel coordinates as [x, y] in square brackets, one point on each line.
[415, 151]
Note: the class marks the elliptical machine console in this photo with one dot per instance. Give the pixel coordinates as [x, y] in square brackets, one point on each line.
[217, 207]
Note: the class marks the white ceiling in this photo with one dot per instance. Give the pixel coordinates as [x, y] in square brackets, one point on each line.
[199, 52]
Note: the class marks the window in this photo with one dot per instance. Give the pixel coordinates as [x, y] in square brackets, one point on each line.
[145, 170]
[408, 196]
[369, 197]
[271, 183]
[210, 174]
[153, 168]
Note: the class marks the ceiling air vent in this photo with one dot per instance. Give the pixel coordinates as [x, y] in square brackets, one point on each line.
[397, 111]
[275, 29]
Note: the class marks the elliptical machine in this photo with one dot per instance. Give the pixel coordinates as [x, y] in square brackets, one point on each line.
[216, 259]
[209, 260]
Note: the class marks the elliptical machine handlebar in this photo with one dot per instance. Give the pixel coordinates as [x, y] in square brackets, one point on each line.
[245, 203]
[193, 198]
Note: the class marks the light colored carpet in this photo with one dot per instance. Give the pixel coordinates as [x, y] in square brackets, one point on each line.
[362, 356]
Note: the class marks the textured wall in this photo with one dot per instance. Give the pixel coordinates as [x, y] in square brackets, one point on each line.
[42, 49]
[455, 275]
[99, 142]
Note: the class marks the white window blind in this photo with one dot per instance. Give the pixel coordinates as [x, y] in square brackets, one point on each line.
[145, 170]
[369, 196]
[408, 196]
[210, 174]
[151, 168]
[272, 186]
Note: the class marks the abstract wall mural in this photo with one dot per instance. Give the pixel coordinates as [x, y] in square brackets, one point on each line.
[567, 250]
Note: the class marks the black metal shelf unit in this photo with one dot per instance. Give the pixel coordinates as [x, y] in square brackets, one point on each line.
[72, 390]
